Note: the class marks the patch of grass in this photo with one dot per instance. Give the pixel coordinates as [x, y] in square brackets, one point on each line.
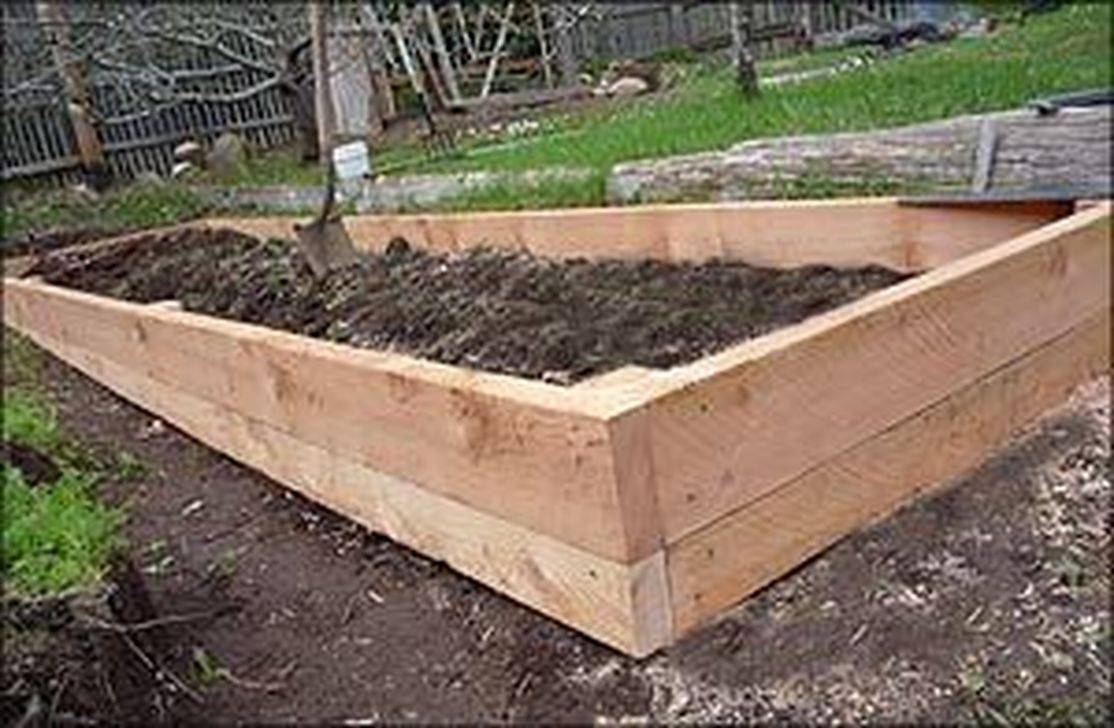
[277, 167]
[807, 61]
[1060, 51]
[22, 361]
[54, 537]
[29, 420]
[57, 538]
[520, 196]
[677, 54]
[282, 167]
[127, 208]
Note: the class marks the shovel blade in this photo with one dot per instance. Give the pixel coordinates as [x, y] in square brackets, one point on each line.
[326, 245]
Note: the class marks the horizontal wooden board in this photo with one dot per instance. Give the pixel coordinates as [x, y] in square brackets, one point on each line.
[623, 605]
[774, 233]
[719, 565]
[513, 448]
[740, 423]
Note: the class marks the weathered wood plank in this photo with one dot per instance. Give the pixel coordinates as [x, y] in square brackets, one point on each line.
[713, 568]
[742, 422]
[1070, 148]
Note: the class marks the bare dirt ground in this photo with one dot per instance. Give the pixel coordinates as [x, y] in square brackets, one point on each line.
[988, 602]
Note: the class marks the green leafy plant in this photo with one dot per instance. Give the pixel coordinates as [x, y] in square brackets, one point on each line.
[55, 538]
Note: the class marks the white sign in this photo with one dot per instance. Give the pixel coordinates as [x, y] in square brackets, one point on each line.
[351, 160]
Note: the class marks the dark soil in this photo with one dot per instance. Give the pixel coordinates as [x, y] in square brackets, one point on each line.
[989, 602]
[36, 467]
[502, 311]
[104, 656]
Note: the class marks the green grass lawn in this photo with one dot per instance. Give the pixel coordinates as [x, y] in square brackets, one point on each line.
[1065, 50]
[134, 206]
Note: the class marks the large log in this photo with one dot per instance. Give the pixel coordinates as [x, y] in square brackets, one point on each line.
[1072, 147]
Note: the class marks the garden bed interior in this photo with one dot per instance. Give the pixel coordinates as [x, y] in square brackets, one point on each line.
[637, 416]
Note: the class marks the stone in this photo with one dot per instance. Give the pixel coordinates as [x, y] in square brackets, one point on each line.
[189, 151]
[228, 155]
[981, 29]
[84, 192]
[183, 169]
[628, 86]
[647, 70]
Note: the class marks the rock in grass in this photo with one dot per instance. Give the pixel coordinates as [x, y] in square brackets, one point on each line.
[228, 155]
[189, 151]
[628, 86]
[182, 169]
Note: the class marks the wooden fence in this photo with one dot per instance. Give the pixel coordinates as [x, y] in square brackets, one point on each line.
[638, 30]
[38, 138]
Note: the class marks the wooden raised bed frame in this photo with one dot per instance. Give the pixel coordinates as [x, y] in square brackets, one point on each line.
[640, 504]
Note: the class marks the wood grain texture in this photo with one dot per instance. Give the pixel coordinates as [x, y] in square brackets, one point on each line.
[773, 233]
[742, 422]
[512, 448]
[1032, 152]
[719, 565]
[623, 605]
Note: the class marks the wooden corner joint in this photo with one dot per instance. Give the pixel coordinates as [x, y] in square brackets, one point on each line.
[651, 606]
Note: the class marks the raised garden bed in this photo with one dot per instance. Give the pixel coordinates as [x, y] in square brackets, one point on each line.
[639, 503]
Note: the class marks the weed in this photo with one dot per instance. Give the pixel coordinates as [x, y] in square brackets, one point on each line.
[55, 538]
[29, 420]
[224, 566]
[129, 467]
[22, 361]
[206, 669]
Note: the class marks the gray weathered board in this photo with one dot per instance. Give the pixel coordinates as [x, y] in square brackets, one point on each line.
[1071, 148]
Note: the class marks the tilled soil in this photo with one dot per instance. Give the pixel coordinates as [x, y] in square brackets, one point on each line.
[496, 310]
[988, 602]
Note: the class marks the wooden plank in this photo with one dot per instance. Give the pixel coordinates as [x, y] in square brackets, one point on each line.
[721, 564]
[622, 605]
[742, 422]
[517, 449]
[774, 233]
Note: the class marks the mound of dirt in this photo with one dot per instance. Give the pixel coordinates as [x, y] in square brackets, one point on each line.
[496, 310]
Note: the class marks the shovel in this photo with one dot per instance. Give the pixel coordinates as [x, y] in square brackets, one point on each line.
[324, 241]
